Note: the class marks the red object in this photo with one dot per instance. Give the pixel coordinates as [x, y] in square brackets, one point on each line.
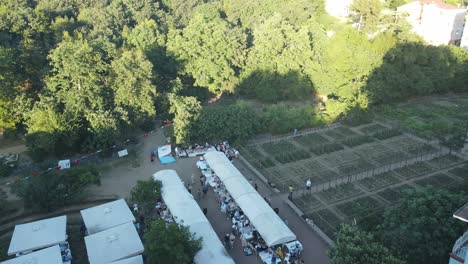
[145, 135]
[76, 162]
[57, 168]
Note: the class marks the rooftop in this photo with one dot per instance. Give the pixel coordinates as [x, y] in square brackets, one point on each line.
[462, 213]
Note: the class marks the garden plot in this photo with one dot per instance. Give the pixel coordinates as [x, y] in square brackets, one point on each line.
[279, 147]
[414, 170]
[379, 181]
[339, 193]
[392, 195]
[338, 158]
[437, 180]
[311, 139]
[372, 128]
[333, 134]
[327, 221]
[356, 140]
[359, 208]
[321, 149]
[461, 171]
[356, 166]
[308, 203]
[445, 161]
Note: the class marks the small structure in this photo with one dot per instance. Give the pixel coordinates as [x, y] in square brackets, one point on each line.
[459, 253]
[49, 255]
[187, 212]
[113, 244]
[37, 235]
[165, 154]
[105, 216]
[133, 260]
[436, 22]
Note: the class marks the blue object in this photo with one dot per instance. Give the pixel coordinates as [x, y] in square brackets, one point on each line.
[167, 160]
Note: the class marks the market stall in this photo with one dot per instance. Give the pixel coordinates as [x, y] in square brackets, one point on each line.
[49, 255]
[268, 224]
[105, 216]
[113, 244]
[165, 154]
[133, 260]
[186, 211]
[37, 235]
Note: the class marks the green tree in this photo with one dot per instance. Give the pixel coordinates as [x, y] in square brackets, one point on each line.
[170, 243]
[354, 246]
[421, 216]
[57, 188]
[367, 13]
[132, 85]
[145, 194]
[212, 51]
[186, 110]
[77, 75]
[274, 69]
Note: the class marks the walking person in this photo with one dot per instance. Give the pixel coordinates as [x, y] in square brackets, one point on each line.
[226, 241]
[308, 185]
[291, 189]
[232, 239]
[205, 190]
[202, 179]
[256, 186]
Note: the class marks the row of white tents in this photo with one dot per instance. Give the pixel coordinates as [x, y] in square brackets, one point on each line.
[186, 211]
[268, 224]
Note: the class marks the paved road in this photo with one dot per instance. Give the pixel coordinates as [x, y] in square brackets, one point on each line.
[120, 179]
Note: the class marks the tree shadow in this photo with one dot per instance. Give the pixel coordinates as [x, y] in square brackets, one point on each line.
[270, 86]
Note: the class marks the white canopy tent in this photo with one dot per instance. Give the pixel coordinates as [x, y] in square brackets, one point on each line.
[39, 234]
[187, 212]
[133, 260]
[49, 255]
[105, 216]
[113, 244]
[272, 229]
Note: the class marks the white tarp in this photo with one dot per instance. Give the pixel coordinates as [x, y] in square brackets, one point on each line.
[272, 229]
[187, 212]
[133, 260]
[49, 255]
[164, 151]
[64, 164]
[38, 234]
[113, 244]
[105, 216]
[122, 153]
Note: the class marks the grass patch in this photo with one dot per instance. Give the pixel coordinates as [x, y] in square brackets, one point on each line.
[437, 180]
[379, 181]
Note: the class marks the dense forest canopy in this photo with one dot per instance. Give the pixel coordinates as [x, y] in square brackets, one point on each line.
[79, 74]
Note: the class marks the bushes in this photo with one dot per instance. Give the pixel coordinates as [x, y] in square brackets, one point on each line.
[56, 188]
[282, 118]
[236, 123]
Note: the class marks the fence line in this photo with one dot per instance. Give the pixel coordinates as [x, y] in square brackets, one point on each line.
[303, 132]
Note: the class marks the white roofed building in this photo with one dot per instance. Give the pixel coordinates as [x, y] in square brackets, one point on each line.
[133, 260]
[105, 216]
[438, 23]
[459, 254]
[51, 255]
[113, 244]
[37, 235]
